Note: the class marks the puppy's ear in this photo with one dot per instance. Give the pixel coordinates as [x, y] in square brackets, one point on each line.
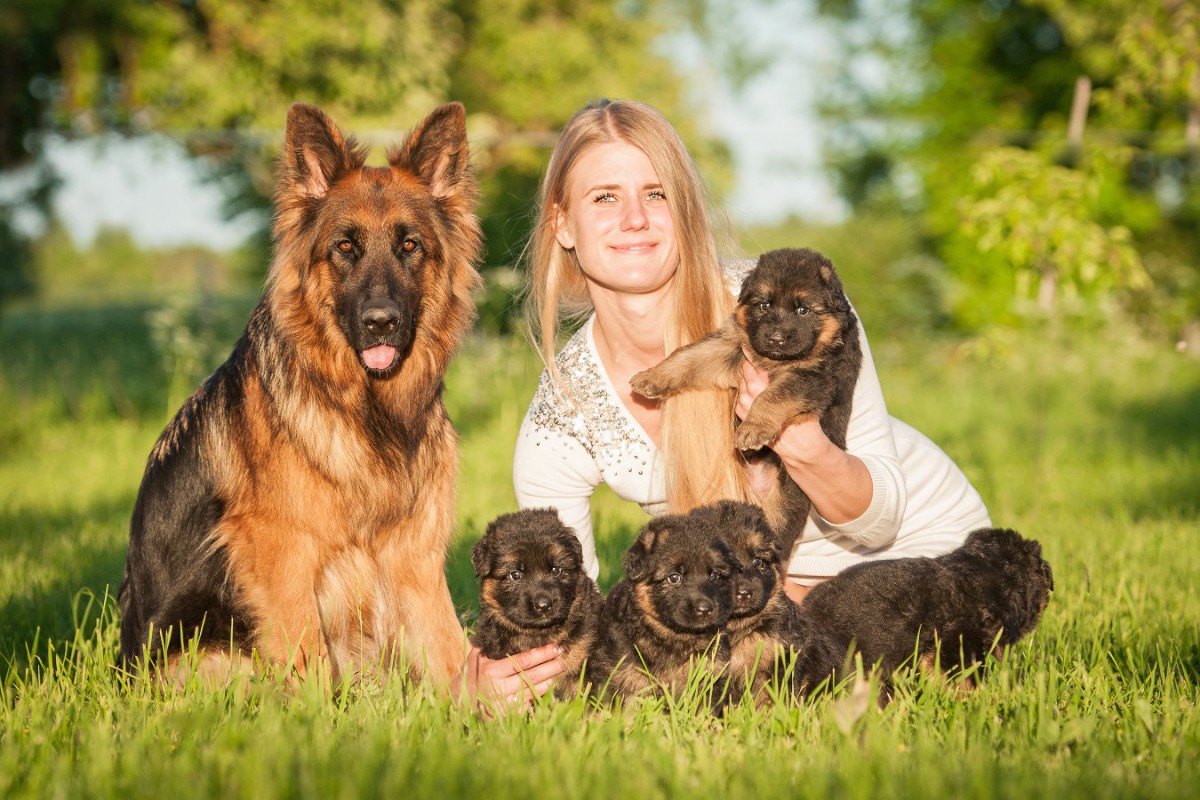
[572, 543]
[481, 557]
[637, 558]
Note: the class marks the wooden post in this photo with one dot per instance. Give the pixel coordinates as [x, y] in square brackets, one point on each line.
[1079, 111]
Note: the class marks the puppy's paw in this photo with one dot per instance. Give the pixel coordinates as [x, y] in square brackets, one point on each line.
[751, 436]
[649, 384]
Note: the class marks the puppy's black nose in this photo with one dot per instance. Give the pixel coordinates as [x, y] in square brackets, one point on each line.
[543, 604]
[703, 608]
[777, 338]
[381, 317]
[742, 593]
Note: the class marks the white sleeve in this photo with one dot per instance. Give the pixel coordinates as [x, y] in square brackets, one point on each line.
[553, 470]
[869, 437]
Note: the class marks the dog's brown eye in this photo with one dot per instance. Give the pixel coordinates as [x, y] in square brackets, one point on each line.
[756, 562]
[408, 245]
[803, 310]
[674, 577]
[556, 571]
[764, 306]
[345, 246]
[516, 575]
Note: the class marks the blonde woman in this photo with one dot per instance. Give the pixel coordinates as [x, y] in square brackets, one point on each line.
[623, 242]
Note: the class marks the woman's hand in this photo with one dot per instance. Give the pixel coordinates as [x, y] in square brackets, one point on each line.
[838, 483]
[498, 685]
[802, 442]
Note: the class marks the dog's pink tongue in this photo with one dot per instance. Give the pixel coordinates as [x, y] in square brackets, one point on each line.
[379, 357]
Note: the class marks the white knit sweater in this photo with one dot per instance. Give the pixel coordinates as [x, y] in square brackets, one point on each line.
[579, 434]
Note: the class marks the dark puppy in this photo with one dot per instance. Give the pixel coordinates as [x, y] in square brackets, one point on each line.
[969, 603]
[766, 629]
[667, 612]
[533, 591]
[794, 321]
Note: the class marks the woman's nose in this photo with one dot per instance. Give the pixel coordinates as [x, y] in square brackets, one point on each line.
[634, 218]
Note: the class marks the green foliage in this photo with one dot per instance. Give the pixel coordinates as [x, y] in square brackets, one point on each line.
[240, 63]
[1090, 445]
[963, 80]
[1040, 219]
[220, 74]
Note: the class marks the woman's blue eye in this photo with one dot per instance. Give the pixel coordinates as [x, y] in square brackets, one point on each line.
[606, 197]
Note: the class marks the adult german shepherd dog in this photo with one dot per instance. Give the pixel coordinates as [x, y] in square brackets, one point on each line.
[296, 511]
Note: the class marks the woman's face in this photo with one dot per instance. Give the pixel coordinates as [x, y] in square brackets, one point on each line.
[617, 221]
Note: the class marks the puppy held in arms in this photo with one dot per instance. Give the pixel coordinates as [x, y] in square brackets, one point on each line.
[793, 321]
[533, 592]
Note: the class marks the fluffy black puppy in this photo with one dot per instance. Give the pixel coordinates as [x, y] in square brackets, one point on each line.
[794, 321]
[766, 629]
[951, 611]
[666, 613]
[533, 591]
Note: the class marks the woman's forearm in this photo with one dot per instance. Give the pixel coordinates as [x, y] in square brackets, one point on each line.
[838, 483]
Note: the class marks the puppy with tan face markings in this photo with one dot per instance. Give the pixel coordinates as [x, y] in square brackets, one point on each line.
[770, 637]
[794, 321]
[534, 592]
[667, 614]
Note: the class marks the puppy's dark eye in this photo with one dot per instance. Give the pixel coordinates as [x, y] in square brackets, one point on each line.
[409, 245]
[516, 575]
[756, 562]
[764, 306]
[674, 577]
[556, 571]
[803, 310]
[344, 246]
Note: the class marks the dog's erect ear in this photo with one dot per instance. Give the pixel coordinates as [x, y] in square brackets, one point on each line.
[481, 557]
[436, 151]
[315, 153]
[637, 557]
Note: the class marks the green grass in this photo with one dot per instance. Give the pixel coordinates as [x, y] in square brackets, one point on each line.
[1091, 446]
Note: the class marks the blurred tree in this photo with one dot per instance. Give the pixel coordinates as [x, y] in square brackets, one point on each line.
[929, 89]
[221, 73]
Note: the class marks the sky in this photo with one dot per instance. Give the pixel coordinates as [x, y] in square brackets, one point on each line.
[150, 188]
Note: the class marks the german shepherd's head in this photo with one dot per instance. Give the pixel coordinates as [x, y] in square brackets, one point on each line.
[679, 570]
[389, 250]
[754, 554]
[792, 305]
[530, 569]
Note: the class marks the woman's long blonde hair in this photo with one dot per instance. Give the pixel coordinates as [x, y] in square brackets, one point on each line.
[702, 465]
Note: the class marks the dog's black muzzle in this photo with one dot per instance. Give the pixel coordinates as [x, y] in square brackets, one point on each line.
[384, 333]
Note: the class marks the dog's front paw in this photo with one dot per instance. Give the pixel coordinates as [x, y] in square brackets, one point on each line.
[750, 436]
[647, 384]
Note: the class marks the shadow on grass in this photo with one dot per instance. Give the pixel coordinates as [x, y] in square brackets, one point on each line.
[1168, 428]
[41, 609]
